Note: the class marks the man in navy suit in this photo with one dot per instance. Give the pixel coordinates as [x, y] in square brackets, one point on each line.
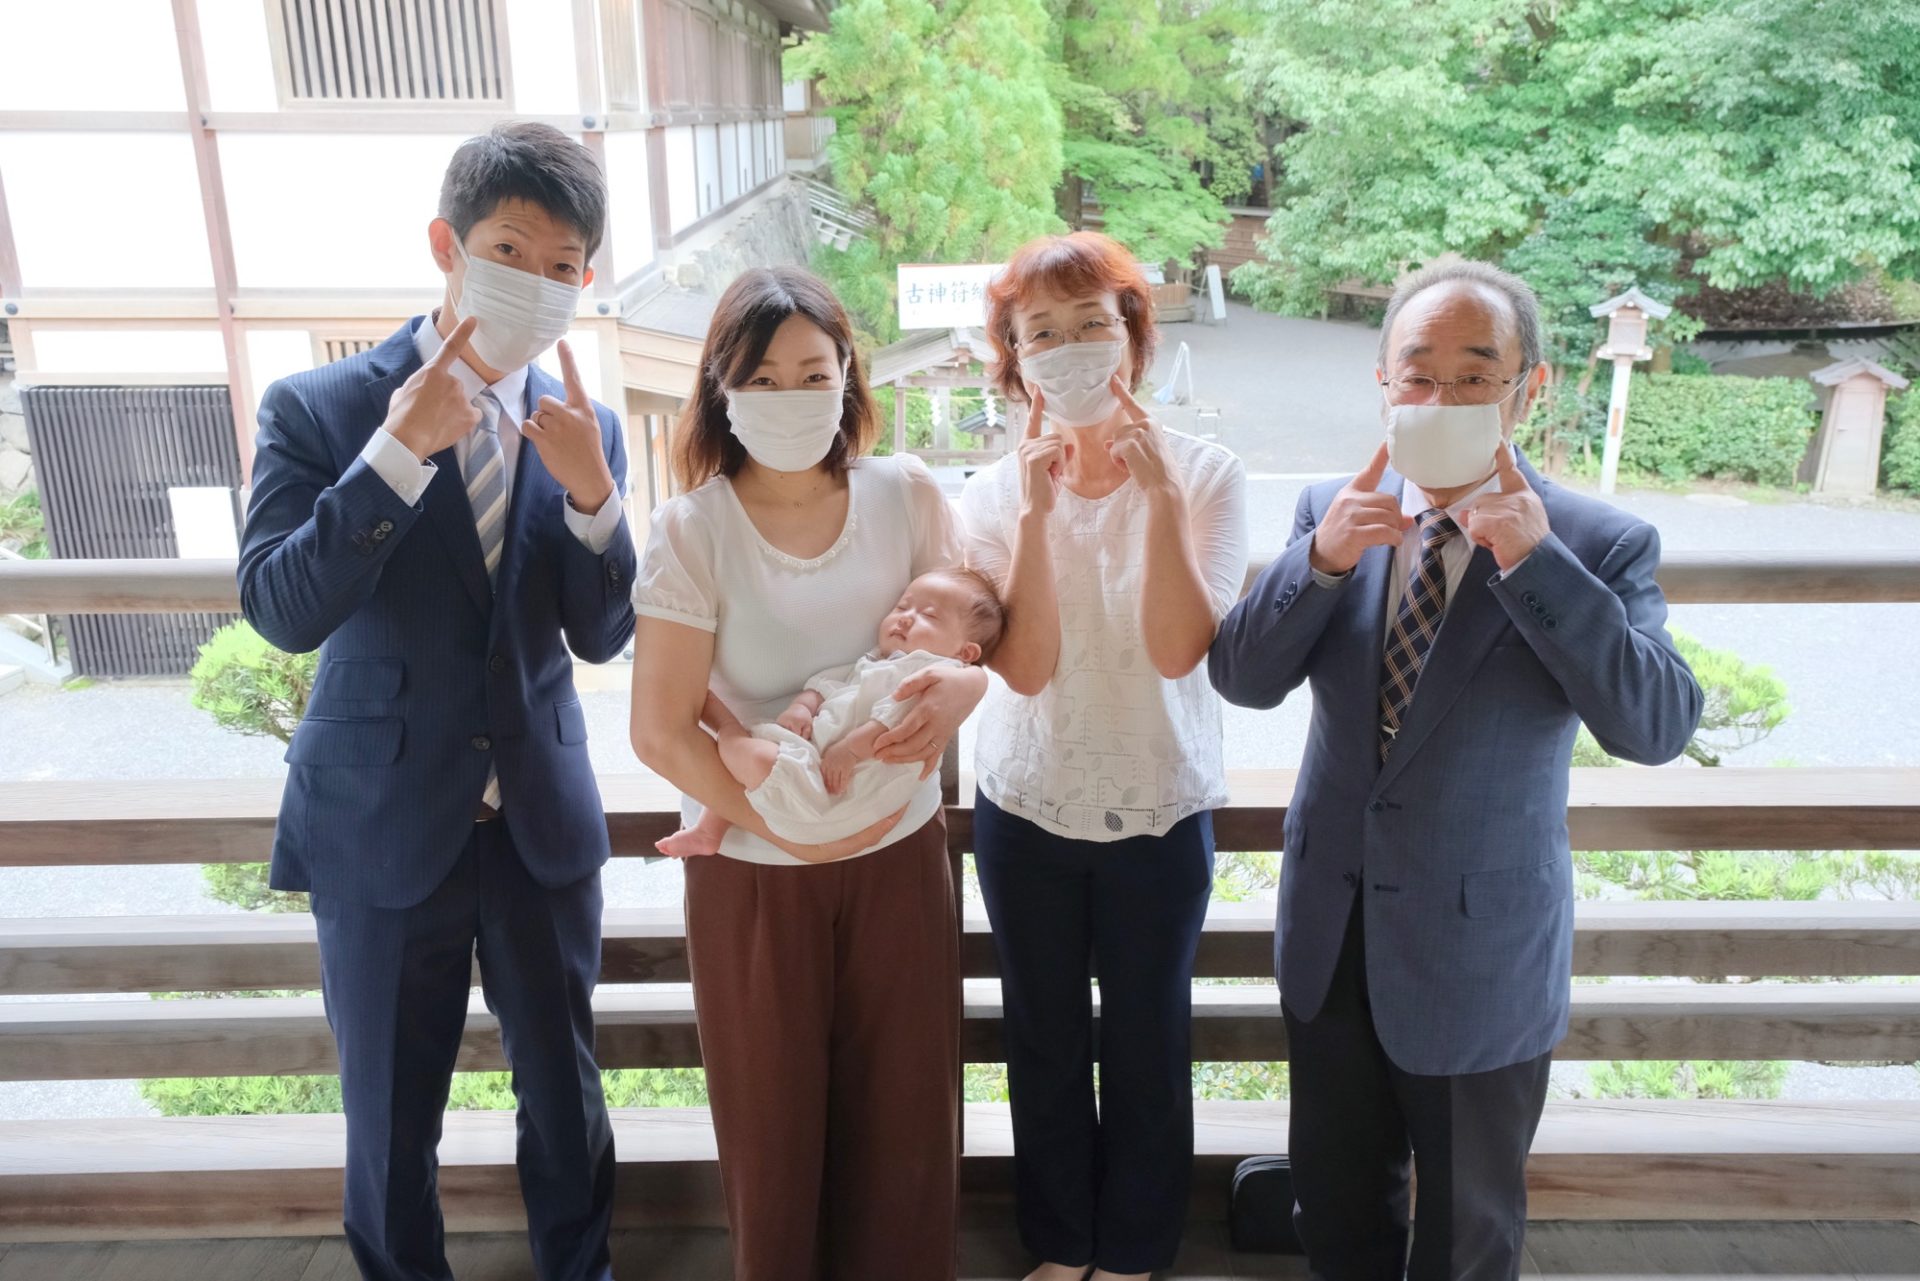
[443, 521]
[1458, 617]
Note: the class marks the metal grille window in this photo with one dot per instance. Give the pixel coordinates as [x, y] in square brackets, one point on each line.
[107, 457]
[328, 348]
[389, 51]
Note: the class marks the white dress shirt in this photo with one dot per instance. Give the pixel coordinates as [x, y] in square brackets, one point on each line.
[409, 476]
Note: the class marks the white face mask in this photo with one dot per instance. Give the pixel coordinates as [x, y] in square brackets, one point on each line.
[1072, 379]
[1444, 446]
[521, 314]
[786, 430]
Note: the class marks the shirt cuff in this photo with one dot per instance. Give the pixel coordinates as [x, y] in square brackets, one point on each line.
[1513, 568]
[595, 532]
[1325, 579]
[394, 463]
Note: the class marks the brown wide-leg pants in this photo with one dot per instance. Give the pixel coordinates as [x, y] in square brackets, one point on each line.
[828, 1000]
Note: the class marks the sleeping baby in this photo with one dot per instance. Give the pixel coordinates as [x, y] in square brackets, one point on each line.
[811, 773]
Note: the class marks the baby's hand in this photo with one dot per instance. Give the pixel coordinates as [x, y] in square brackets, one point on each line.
[797, 719]
[836, 767]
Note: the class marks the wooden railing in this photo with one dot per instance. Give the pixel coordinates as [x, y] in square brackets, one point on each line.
[1615, 1159]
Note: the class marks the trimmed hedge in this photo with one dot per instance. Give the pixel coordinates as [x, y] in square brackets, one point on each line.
[1684, 426]
[1900, 447]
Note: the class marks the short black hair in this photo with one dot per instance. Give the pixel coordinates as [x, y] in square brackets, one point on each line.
[525, 160]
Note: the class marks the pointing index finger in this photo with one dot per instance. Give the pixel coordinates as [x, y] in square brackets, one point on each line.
[456, 344]
[1376, 468]
[570, 375]
[1135, 411]
[1036, 416]
[1511, 481]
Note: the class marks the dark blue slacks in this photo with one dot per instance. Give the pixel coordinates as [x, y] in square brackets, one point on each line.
[396, 982]
[1101, 1184]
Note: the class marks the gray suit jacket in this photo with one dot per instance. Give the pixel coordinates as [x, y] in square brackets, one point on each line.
[1458, 844]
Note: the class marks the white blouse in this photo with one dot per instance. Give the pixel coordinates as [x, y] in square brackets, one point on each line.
[1110, 748]
[778, 619]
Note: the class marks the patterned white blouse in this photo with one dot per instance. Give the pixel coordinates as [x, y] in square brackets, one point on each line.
[1110, 748]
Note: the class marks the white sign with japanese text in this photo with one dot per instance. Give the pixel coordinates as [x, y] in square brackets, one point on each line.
[945, 296]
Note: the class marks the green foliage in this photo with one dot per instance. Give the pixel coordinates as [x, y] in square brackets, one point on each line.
[1684, 426]
[1763, 140]
[472, 1091]
[251, 687]
[23, 528]
[946, 128]
[1238, 877]
[1696, 1079]
[1150, 110]
[1583, 253]
[1900, 448]
[1745, 702]
[1259, 1082]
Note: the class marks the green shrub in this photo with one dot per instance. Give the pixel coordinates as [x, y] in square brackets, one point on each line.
[23, 528]
[1682, 427]
[1900, 449]
[1745, 701]
[1699, 1079]
[472, 1091]
[251, 687]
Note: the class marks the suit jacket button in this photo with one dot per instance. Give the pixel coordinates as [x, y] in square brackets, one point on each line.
[1529, 599]
[1376, 807]
[1350, 878]
[496, 664]
[482, 743]
[386, 527]
[1549, 622]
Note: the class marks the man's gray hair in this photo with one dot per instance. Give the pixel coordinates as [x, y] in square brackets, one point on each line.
[1519, 295]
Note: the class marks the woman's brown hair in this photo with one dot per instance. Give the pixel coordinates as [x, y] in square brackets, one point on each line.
[744, 320]
[1075, 265]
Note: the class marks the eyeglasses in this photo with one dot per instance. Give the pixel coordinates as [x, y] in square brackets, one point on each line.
[1092, 329]
[1468, 389]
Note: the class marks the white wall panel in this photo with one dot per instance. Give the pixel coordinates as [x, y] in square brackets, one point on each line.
[343, 211]
[630, 202]
[239, 55]
[272, 354]
[683, 181]
[105, 210]
[540, 42]
[89, 55]
[116, 351]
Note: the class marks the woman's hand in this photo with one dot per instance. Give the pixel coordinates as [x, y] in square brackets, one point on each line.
[1141, 447]
[1041, 458]
[844, 848]
[945, 696]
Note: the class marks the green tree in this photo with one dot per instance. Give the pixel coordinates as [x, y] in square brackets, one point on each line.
[1155, 125]
[946, 128]
[1760, 140]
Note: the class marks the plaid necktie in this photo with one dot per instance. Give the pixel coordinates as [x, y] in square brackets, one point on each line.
[486, 470]
[1415, 626]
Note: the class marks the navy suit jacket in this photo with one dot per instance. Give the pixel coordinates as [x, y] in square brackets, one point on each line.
[428, 674]
[1458, 844]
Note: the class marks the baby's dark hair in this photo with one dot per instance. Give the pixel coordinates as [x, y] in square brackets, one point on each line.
[986, 616]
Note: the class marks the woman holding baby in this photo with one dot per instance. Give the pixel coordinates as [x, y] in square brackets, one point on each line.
[1117, 547]
[815, 593]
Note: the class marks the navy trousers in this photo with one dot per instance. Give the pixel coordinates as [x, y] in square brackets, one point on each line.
[1103, 1184]
[396, 982]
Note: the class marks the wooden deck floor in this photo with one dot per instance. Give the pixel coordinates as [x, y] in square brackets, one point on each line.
[1566, 1251]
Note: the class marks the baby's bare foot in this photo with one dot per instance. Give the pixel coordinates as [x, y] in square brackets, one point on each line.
[689, 842]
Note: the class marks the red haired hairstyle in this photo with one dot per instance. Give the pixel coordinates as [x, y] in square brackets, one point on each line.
[1075, 266]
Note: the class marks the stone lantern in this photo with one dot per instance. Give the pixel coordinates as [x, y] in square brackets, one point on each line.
[1627, 315]
[1848, 459]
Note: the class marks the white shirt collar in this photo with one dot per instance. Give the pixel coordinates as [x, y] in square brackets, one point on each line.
[1414, 500]
[511, 390]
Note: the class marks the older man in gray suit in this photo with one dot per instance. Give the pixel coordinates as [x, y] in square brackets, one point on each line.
[1458, 617]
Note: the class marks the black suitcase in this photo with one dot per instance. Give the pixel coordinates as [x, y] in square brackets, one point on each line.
[1260, 1215]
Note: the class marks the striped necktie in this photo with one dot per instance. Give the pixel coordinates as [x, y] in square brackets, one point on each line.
[1414, 627]
[487, 495]
[487, 484]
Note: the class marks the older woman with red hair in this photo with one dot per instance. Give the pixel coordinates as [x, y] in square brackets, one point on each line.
[1118, 546]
